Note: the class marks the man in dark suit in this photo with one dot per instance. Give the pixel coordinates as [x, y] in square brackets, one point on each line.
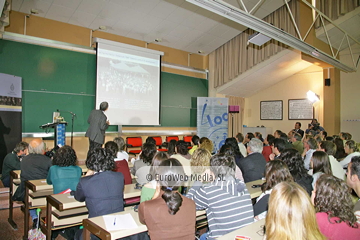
[253, 166]
[298, 130]
[98, 124]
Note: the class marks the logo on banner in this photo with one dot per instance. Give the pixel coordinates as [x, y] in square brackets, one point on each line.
[12, 88]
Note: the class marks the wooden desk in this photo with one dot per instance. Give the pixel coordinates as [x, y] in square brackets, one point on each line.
[37, 185]
[254, 192]
[14, 177]
[254, 231]
[84, 169]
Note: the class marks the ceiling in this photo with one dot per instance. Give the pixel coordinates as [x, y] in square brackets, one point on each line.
[179, 24]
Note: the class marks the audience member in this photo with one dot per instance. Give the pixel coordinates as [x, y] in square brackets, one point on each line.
[340, 151]
[207, 144]
[320, 164]
[226, 200]
[12, 161]
[323, 135]
[240, 139]
[148, 190]
[183, 156]
[141, 167]
[121, 165]
[351, 150]
[353, 181]
[275, 172]
[248, 138]
[291, 214]
[195, 140]
[169, 214]
[253, 166]
[310, 147]
[298, 130]
[334, 207]
[277, 148]
[171, 150]
[258, 135]
[235, 147]
[121, 154]
[33, 166]
[200, 160]
[296, 167]
[277, 133]
[150, 140]
[228, 150]
[64, 174]
[268, 141]
[314, 126]
[297, 143]
[336, 168]
[102, 191]
[284, 137]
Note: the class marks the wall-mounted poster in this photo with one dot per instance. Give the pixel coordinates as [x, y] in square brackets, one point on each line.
[300, 109]
[271, 110]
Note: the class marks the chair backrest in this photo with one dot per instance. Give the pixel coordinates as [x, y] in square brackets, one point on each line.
[169, 138]
[134, 141]
[187, 139]
[158, 141]
[123, 167]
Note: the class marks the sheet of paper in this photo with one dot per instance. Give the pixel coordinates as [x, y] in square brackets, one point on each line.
[119, 222]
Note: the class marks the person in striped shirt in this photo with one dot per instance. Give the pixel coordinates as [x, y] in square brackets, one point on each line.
[226, 200]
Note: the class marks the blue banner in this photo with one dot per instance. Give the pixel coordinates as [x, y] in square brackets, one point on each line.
[212, 120]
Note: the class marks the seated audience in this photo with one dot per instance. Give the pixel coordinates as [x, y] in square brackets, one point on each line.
[268, 141]
[351, 150]
[64, 173]
[297, 143]
[227, 201]
[121, 154]
[200, 160]
[310, 147]
[195, 141]
[258, 135]
[314, 126]
[323, 135]
[320, 164]
[284, 137]
[240, 140]
[141, 166]
[121, 165]
[294, 161]
[276, 172]
[340, 151]
[248, 138]
[235, 147]
[171, 149]
[207, 144]
[12, 161]
[148, 190]
[336, 168]
[102, 191]
[298, 130]
[183, 156]
[291, 215]
[335, 217]
[353, 181]
[277, 147]
[33, 166]
[253, 166]
[169, 215]
[277, 133]
[228, 150]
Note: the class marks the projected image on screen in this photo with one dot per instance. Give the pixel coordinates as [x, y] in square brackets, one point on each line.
[129, 81]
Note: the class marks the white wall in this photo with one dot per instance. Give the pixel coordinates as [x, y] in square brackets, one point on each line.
[294, 87]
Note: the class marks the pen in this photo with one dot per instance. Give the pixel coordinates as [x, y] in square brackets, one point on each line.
[114, 221]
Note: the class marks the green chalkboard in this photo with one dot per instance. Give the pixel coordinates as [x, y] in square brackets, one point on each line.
[66, 80]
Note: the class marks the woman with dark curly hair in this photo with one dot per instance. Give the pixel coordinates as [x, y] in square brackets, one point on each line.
[276, 171]
[142, 166]
[64, 173]
[332, 200]
[295, 163]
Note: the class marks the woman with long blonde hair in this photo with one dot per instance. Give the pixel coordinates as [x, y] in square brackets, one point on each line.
[291, 215]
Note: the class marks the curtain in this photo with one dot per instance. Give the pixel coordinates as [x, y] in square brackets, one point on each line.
[236, 56]
[237, 117]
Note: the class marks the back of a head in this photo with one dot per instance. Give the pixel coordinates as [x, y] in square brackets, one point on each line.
[21, 146]
[113, 147]
[171, 147]
[284, 136]
[150, 140]
[36, 146]
[148, 151]
[294, 161]
[291, 214]
[207, 144]
[270, 138]
[352, 145]
[258, 135]
[297, 136]
[222, 165]
[280, 144]
[104, 106]
[200, 157]
[329, 147]
[195, 139]
[182, 147]
[276, 171]
[156, 161]
[169, 180]
[120, 142]
[255, 145]
[312, 143]
[240, 137]
[355, 166]
[321, 162]
[250, 135]
[234, 145]
[100, 159]
[65, 156]
[333, 196]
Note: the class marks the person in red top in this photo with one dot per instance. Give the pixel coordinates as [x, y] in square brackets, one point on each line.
[268, 141]
[334, 207]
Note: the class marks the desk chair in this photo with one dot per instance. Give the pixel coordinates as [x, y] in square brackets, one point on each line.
[134, 142]
[159, 144]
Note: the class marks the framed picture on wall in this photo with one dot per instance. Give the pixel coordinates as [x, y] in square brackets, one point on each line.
[301, 109]
[271, 110]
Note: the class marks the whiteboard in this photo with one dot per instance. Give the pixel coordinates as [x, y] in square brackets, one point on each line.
[271, 110]
[300, 109]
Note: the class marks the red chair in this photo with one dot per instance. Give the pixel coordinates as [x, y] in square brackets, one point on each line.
[169, 138]
[123, 167]
[187, 139]
[158, 141]
[134, 142]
